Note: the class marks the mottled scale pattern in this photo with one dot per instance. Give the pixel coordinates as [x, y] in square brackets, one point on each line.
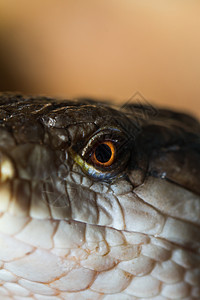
[66, 234]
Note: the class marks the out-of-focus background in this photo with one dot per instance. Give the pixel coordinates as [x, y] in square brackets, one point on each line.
[107, 49]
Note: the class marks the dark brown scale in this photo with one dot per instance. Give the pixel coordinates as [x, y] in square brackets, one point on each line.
[164, 143]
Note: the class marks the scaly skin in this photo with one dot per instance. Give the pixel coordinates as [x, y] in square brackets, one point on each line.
[71, 229]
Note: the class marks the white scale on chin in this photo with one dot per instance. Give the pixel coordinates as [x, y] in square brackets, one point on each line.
[7, 170]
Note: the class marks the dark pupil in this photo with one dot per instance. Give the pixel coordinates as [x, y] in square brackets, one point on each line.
[103, 153]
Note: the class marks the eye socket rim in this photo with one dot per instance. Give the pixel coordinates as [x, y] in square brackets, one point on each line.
[121, 141]
[108, 163]
[83, 155]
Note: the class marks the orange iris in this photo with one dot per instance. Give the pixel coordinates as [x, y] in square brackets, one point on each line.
[104, 154]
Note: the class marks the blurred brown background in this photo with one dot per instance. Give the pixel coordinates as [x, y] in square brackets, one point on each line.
[103, 48]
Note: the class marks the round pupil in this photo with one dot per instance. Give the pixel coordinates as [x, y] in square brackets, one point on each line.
[103, 153]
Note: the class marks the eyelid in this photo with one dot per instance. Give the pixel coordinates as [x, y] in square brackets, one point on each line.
[99, 134]
[92, 171]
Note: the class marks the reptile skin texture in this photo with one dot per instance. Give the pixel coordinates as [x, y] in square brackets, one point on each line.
[72, 227]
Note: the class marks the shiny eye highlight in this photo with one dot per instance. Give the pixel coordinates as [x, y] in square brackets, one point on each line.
[104, 154]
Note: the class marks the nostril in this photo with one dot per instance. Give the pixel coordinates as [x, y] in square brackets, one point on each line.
[7, 170]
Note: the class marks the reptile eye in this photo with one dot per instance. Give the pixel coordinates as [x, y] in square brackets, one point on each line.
[104, 154]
